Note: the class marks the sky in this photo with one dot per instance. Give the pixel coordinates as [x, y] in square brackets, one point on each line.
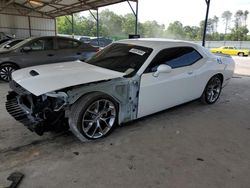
[189, 12]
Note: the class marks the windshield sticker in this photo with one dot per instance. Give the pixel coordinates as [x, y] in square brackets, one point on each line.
[136, 51]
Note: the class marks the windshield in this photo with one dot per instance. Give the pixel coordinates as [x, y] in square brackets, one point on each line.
[10, 43]
[125, 58]
[3, 44]
[21, 43]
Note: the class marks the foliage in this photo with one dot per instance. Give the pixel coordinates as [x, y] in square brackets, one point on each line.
[226, 16]
[118, 27]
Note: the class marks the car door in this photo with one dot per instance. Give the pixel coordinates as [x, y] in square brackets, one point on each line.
[232, 51]
[226, 50]
[168, 89]
[68, 49]
[40, 51]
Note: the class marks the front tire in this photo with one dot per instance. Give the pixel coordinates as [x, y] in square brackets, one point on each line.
[5, 71]
[212, 91]
[95, 115]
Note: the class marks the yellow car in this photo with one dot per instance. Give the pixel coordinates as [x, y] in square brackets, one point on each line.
[229, 50]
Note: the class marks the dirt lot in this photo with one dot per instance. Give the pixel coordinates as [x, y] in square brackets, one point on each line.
[192, 145]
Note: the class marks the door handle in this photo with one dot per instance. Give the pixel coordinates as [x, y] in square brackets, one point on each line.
[78, 53]
[190, 72]
[50, 55]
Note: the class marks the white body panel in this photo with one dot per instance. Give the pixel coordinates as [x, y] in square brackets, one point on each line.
[166, 90]
[177, 87]
[155, 93]
[61, 75]
[181, 84]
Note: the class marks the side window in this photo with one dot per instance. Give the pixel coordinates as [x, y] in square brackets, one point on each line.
[94, 42]
[76, 44]
[225, 48]
[67, 43]
[175, 58]
[42, 44]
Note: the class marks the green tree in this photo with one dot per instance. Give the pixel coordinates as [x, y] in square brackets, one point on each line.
[119, 26]
[215, 22]
[84, 26]
[191, 32]
[111, 23]
[63, 25]
[245, 15]
[153, 29]
[176, 30]
[128, 24]
[238, 18]
[226, 16]
[239, 32]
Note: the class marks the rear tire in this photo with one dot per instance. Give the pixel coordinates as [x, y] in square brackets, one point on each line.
[241, 54]
[95, 115]
[5, 71]
[212, 91]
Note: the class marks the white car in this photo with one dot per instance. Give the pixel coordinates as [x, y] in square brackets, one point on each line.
[127, 80]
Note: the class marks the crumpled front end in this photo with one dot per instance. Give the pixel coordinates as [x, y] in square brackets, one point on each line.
[38, 113]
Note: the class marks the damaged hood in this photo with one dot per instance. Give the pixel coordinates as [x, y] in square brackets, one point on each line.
[46, 78]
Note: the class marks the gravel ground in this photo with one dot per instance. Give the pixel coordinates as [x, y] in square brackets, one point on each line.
[192, 145]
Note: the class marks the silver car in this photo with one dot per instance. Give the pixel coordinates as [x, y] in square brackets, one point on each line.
[42, 50]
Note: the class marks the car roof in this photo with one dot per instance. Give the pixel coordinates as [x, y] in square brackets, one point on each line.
[51, 36]
[158, 42]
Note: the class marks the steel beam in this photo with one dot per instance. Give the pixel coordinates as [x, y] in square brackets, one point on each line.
[205, 23]
[29, 26]
[135, 12]
[72, 24]
[96, 17]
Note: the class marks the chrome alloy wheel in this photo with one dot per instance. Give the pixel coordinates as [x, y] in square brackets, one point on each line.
[5, 72]
[213, 90]
[99, 118]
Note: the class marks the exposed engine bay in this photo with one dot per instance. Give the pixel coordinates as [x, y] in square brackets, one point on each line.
[38, 114]
[50, 111]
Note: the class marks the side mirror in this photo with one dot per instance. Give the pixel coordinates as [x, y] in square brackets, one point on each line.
[26, 49]
[162, 69]
[7, 46]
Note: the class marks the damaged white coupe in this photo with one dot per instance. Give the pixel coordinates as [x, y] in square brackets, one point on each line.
[127, 80]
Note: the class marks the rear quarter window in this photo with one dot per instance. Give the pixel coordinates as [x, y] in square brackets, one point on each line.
[67, 43]
[175, 57]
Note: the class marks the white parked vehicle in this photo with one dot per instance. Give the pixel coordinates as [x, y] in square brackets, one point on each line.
[127, 80]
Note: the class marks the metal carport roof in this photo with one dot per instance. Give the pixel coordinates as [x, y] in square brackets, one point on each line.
[55, 8]
[52, 8]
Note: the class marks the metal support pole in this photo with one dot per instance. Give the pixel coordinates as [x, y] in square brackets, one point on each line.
[96, 17]
[29, 26]
[55, 26]
[72, 24]
[135, 12]
[97, 27]
[205, 23]
[136, 19]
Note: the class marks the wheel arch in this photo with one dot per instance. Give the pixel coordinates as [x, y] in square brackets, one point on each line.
[220, 75]
[10, 62]
[221, 78]
[241, 52]
[73, 109]
[91, 92]
[117, 101]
